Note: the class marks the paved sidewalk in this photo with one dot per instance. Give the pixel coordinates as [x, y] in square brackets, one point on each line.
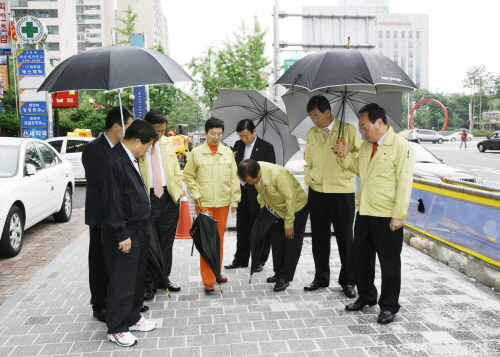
[443, 314]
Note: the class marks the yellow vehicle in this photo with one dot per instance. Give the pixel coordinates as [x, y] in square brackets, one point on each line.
[181, 147]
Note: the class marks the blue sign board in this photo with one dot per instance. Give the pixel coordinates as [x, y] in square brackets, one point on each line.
[34, 120]
[5, 51]
[140, 105]
[34, 108]
[32, 69]
[35, 133]
[31, 56]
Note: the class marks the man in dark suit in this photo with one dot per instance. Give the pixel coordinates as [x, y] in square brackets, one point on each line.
[92, 156]
[125, 240]
[249, 147]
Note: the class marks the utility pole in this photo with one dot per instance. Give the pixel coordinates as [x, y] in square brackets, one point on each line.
[276, 50]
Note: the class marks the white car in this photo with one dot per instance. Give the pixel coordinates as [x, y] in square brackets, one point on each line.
[71, 148]
[35, 183]
[458, 136]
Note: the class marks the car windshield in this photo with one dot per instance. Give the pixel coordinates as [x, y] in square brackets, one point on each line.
[9, 156]
[423, 156]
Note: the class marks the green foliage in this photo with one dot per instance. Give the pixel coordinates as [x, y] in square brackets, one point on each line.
[477, 132]
[158, 48]
[129, 22]
[236, 65]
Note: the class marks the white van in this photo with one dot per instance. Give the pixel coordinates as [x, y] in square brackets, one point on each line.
[70, 148]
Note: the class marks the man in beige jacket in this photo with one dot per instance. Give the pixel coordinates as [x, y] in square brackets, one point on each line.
[385, 169]
[211, 177]
[162, 177]
[280, 191]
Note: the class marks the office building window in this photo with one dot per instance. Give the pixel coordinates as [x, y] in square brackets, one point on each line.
[417, 58]
[92, 7]
[403, 51]
[395, 47]
[53, 30]
[388, 44]
[87, 17]
[18, 13]
[83, 27]
[51, 46]
[381, 43]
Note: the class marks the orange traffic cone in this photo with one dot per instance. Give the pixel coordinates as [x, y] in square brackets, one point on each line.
[184, 223]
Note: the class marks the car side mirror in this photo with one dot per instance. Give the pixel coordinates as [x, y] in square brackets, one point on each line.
[440, 159]
[30, 169]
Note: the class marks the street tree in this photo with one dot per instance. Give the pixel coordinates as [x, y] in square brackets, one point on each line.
[129, 25]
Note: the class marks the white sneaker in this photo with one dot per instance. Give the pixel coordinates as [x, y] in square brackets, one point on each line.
[124, 339]
[143, 325]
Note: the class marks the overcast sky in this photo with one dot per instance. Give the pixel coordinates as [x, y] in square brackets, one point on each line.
[463, 34]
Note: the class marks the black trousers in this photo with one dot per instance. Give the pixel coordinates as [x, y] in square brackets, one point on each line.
[246, 214]
[127, 276]
[164, 216]
[372, 235]
[337, 209]
[98, 276]
[286, 252]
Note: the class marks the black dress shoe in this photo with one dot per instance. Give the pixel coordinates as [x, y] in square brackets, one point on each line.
[315, 285]
[357, 305]
[385, 317]
[100, 314]
[349, 291]
[144, 308]
[272, 279]
[258, 268]
[281, 285]
[148, 294]
[172, 287]
[235, 266]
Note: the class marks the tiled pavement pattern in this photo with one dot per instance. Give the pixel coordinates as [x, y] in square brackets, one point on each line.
[443, 314]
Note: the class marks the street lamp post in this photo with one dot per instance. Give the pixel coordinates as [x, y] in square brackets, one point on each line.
[131, 100]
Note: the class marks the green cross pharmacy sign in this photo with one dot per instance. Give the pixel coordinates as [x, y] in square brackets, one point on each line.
[31, 30]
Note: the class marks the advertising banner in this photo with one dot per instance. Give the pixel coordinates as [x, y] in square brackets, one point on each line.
[4, 75]
[65, 99]
[33, 107]
[31, 56]
[34, 120]
[30, 82]
[5, 40]
[31, 69]
[35, 133]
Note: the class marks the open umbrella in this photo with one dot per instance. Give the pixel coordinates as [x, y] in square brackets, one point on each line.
[114, 67]
[260, 236]
[350, 102]
[156, 265]
[270, 119]
[206, 239]
[347, 72]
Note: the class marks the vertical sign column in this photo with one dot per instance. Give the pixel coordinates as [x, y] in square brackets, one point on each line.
[35, 107]
[141, 93]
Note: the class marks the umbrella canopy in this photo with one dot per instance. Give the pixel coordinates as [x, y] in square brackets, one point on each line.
[347, 70]
[114, 67]
[300, 122]
[156, 264]
[270, 119]
[260, 235]
[207, 242]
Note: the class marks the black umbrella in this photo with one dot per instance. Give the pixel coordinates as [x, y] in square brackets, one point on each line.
[260, 236]
[270, 119]
[155, 257]
[114, 67]
[207, 241]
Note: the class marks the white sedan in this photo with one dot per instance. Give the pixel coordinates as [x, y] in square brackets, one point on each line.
[35, 183]
[458, 136]
[71, 148]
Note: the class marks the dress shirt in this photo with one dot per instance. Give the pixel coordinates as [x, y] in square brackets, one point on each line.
[149, 157]
[109, 141]
[131, 156]
[247, 154]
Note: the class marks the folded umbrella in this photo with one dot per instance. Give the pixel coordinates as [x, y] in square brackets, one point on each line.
[260, 236]
[207, 241]
[155, 257]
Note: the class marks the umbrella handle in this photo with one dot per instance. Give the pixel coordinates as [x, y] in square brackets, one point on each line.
[192, 248]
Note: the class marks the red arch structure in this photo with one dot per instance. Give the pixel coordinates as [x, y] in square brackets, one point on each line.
[430, 100]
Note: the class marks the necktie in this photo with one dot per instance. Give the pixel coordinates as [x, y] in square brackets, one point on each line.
[326, 131]
[155, 161]
[375, 145]
[136, 166]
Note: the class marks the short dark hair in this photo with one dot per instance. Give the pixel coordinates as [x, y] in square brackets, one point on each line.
[155, 116]
[319, 102]
[114, 117]
[214, 123]
[374, 112]
[142, 130]
[249, 167]
[245, 124]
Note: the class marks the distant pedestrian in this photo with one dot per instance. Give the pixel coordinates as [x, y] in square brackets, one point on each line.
[92, 156]
[463, 139]
[125, 239]
[385, 169]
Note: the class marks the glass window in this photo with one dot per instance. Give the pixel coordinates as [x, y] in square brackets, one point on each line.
[56, 144]
[32, 157]
[87, 17]
[34, 12]
[51, 46]
[75, 146]
[49, 158]
[53, 30]
[83, 27]
[8, 160]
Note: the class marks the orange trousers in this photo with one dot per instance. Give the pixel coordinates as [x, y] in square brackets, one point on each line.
[220, 215]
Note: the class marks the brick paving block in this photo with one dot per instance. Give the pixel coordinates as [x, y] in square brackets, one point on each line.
[203, 340]
[200, 320]
[228, 338]
[55, 349]
[240, 326]
[244, 349]
[24, 340]
[386, 339]
[225, 318]
[317, 321]
[172, 342]
[255, 336]
[386, 351]
[186, 330]
[265, 325]
[411, 350]
[279, 335]
[438, 337]
[259, 308]
[254, 316]
[48, 338]
[164, 352]
[357, 341]
[299, 314]
[273, 346]
[216, 351]
[291, 323]
[21, 351]
[78, 336]
[87, 346]
[309, 333]
[352, 352]
[16, 330]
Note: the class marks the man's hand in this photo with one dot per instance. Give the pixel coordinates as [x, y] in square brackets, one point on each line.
[289, 233]
[396, 224]
[340, 149]
[125, 245]
[198, 201]
[233, 209]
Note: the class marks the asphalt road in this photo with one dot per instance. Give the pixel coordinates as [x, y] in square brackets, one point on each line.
[484, 164]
